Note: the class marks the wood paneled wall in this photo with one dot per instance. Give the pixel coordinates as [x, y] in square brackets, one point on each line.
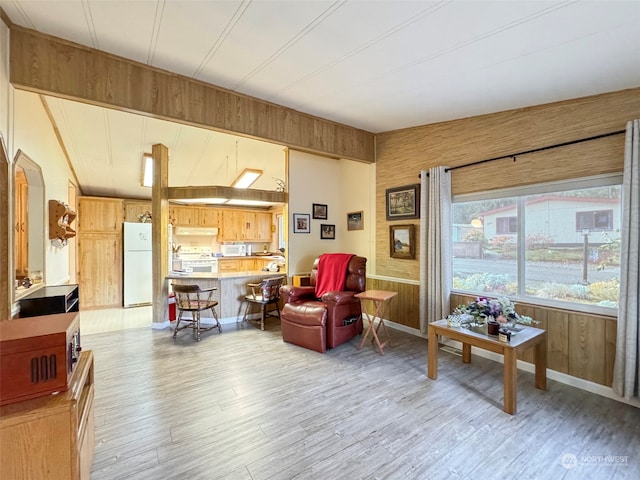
[578, 344]
[50, 65]
[404, 309]
[401, 154]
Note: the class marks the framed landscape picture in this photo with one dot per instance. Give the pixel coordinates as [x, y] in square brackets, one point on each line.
[402, 241]
[327, 232]
[319, 211]
[301, 223]
[355, 221]
[402, 202]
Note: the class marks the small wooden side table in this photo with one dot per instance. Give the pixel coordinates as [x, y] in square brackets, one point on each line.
[380, 299]
[301, 280]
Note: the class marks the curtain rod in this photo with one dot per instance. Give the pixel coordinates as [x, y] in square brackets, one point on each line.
[548, 147]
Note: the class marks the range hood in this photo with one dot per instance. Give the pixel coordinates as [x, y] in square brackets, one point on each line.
[195, 231]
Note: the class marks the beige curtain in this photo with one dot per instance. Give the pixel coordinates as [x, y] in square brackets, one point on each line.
[435, 245]
[626, 370]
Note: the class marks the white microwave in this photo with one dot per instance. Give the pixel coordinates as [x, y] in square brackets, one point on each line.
[233, 250]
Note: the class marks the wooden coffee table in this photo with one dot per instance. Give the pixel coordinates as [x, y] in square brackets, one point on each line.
[528, 337]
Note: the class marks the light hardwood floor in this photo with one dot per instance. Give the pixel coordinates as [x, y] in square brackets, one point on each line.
[114, 319]
[245, 405]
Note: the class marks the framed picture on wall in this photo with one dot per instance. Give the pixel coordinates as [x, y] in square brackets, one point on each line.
[319, 211]
[301, 223]
[402, 241]
[355, 221]
[402, 202]
[327, 232]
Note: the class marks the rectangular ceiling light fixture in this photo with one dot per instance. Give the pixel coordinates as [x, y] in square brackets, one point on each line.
[147, 170]
[246, 178]
[255, 203]
[208, 201]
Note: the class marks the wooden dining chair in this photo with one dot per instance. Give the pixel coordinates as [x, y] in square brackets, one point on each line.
[193, 299]
[264, 293]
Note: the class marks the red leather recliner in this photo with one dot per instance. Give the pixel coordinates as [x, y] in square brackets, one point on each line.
[321, 323]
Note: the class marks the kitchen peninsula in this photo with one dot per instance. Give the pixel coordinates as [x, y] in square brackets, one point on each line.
[231, 288]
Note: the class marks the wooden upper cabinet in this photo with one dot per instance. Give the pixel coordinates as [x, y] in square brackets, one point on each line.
[236, 225]
[188, 216]
[245, 225]
[209, 217]
[134, 208]
[98, 214]
[263, 226]
[184, 216]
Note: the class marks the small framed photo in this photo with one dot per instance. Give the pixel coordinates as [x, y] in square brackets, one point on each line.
[327, 232]
[402, 202]
[301, 223]
[402, 240]
[355, 221]
[319, 211]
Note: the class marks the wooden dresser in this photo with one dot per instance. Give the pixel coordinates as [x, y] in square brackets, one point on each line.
[51, 437]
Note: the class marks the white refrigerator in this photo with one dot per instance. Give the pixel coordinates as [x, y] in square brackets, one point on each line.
[137, 264]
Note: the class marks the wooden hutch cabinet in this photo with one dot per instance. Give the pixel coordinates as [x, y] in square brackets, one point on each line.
[100, 251]
[21, 227]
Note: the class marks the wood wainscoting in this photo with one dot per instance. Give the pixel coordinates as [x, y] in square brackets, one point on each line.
[579, 344]
[582, 345]
[405, 308]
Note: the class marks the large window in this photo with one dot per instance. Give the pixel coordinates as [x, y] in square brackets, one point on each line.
[558, 243]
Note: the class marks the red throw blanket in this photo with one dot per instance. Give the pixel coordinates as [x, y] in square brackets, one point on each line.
[332, 272]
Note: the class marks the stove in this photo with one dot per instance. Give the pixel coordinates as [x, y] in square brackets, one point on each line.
[198, 259]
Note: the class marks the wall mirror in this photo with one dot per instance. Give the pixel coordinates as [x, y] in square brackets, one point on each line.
[5, 207]
[28, 217]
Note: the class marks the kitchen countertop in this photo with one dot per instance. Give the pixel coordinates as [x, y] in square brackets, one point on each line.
[264, 257]
[223, 275]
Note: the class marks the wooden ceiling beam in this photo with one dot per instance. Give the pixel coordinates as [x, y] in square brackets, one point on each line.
[195, 192]
[52, 66]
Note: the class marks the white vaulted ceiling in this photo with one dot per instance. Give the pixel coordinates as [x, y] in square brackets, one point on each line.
[106, 148]
[377, 65]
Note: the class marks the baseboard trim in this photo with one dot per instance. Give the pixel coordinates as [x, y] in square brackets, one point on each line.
[527, 367]
[203, 321]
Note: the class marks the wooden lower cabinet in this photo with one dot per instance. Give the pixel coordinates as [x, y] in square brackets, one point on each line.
[51, 437]
[225, 266]
[100, 270]
[238, 264]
